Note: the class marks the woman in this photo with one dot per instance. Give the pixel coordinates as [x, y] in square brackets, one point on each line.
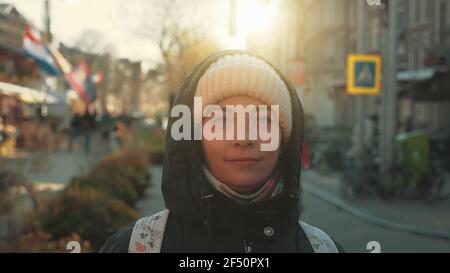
[231, 195]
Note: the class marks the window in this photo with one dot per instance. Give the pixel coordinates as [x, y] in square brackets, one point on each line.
[339, 51]
[339, 10]
[330, 53]
[411, 11]
[328, 13]
[412, 54]
[401, 21]
[423, 7]
[375, 34]
[418, 7]
[421, 57]
[443, 21]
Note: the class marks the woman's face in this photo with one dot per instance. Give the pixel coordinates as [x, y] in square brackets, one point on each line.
[239, 164]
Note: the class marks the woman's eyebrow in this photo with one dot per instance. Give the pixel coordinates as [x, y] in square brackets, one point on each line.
[263, 113]
[233, 107]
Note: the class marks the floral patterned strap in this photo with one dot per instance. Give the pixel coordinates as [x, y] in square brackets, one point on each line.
[320, 241]
[148, 233]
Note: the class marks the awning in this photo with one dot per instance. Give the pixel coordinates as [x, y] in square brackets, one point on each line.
[430, 84]
[26, 94]
[416, 75]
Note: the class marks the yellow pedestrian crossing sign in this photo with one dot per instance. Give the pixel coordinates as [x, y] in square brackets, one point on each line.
[363, 74]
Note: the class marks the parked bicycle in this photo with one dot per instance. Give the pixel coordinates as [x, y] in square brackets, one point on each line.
[415, 172]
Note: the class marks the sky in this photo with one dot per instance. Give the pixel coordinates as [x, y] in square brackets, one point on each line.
[112, 20]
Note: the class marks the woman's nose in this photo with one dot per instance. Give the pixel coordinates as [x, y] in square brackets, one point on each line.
[243, 133]
[243, 143]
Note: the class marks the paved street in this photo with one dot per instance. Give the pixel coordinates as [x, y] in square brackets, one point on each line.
[354, 234]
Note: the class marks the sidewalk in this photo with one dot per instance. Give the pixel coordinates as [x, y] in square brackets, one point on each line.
[408, 212]
[54, 169]
[153, 200]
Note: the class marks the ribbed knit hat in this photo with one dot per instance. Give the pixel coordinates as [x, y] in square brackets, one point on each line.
[246, 75]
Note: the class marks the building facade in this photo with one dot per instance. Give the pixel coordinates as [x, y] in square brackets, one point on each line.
[424, 64]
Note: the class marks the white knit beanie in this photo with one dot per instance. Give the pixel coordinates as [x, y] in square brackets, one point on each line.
[246, 75]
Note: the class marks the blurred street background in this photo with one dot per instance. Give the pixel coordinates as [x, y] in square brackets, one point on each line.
[86, 88]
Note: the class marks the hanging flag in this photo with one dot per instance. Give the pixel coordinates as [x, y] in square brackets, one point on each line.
[98, 77]
[80, 78]
[89, 85]
[37, 50]
[81, 81]
[60, 60]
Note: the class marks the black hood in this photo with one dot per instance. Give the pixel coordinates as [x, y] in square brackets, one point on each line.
[184, 184]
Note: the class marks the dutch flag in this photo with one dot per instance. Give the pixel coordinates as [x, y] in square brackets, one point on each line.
[35, 49]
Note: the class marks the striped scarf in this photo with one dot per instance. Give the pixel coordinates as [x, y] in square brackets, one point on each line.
[272, 187]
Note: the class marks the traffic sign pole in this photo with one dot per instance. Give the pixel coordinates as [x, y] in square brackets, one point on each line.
[389, 93]
[360, 100]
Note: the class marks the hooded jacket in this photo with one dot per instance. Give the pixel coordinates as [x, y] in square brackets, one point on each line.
[202, 219]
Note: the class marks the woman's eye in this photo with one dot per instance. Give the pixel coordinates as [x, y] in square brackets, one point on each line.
[218, 120]
[264, 119]
[228, 121]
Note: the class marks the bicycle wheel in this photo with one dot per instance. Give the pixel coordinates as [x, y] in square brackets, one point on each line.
[389, 183]
[440, 188]
[444, 191]
[351, 186]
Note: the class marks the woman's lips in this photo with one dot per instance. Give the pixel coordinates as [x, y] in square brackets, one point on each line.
[243, 161]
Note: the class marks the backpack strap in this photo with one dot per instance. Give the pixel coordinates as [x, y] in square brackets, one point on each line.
[148, 233]
[319, 240]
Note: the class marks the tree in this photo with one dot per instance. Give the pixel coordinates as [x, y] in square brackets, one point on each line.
[178, 29]
[93, 42]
